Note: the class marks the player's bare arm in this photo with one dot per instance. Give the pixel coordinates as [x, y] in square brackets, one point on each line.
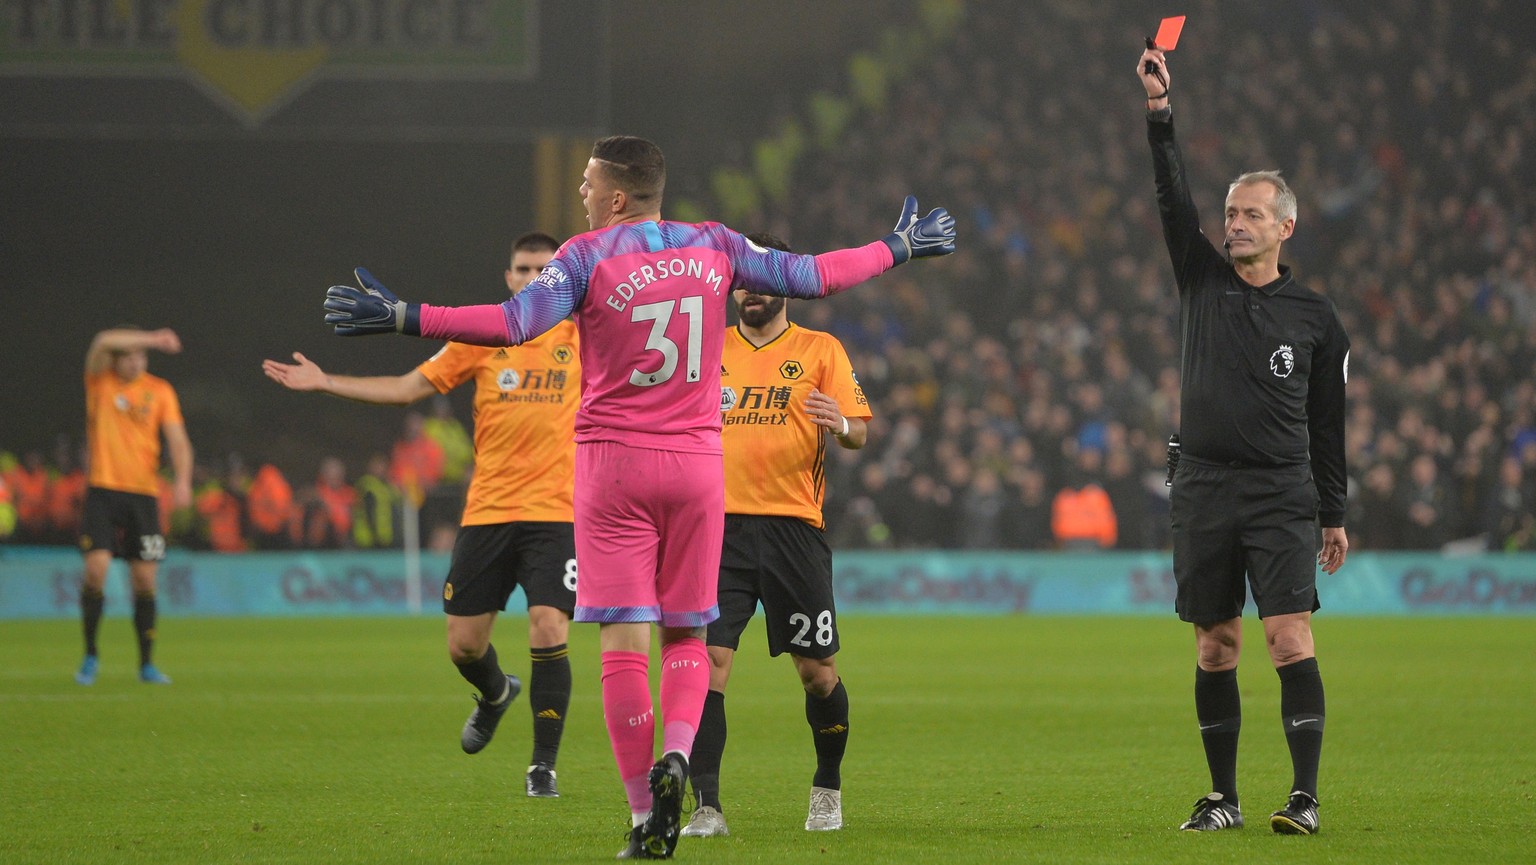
[823, 412]
[180, 448]
[107, 342]
[305, 375]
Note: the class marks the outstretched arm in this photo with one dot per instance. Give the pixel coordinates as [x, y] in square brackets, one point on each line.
[771, 271]
[128, 339]
[305, 375]
[375, 309]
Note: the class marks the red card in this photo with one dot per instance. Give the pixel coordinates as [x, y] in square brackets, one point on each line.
[1168, 32]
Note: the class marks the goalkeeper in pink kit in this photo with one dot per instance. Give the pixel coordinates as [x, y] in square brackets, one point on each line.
[649, 299]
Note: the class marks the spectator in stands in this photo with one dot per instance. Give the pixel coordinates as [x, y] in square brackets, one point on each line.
[66, 499]
[451, 436]
[1129, 497]
[1424, 502]
[219, 515]
[29, 493]
[1509, 515]
[923, 520]
[269, 509]
[1028, 520]
[1082, 516]
[323, 512]
[376, 516]
[7, 511]
[416, 465]
[982, 507]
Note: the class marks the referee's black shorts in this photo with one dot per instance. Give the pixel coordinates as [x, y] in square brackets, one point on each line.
[1229, 522]
[786, 564]
[490, 561]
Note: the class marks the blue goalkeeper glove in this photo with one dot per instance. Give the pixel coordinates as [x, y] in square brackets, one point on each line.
[369, 310]
[934, 234]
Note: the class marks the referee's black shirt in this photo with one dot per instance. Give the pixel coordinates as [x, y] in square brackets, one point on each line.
[1263, 366]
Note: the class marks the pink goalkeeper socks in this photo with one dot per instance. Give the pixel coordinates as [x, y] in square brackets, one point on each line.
[631, 722]
[684, 682]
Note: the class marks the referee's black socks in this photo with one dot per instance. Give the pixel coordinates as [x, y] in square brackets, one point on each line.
[1301, 711]
[1219, 708]
[549, 696]
[828, 717]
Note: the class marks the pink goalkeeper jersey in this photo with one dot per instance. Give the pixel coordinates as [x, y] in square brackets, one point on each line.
[649, 301]
[656, 320]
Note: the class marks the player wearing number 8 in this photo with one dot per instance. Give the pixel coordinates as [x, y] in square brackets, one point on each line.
[649, 301]
[785, 393]
[516, 529]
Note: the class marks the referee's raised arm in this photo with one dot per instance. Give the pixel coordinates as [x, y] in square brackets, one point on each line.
[1187, 247]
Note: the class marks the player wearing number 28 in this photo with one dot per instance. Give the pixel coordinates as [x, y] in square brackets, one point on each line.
[786, 393]
[649, 299]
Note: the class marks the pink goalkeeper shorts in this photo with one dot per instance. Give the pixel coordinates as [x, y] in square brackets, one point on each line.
[648, 529]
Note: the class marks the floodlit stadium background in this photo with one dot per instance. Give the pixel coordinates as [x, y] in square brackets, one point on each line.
[216, 178]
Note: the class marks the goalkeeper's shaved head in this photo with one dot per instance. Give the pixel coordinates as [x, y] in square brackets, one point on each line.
[636, 166]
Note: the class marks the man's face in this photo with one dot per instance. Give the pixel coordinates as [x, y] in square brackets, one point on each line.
[756, 310]
[1252, 230]
[526, 264]
[598, 194]
[129, 365]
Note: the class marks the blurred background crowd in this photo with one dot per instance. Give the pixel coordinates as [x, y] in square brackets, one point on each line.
[1024, 389]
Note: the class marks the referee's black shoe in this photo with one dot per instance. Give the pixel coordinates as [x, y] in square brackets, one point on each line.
[1298, 817]
[482, 722]
[1213, 813]
[668, 781]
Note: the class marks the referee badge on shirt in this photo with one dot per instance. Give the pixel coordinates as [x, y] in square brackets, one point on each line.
[1283, 361]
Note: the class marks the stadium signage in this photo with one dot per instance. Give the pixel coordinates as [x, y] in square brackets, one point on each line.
[44, 582]
[356, 585]
[254, 55]
[995, 588]
[1477, 588]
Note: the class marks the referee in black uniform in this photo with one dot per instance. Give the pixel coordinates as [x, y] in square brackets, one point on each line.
[1262, 440]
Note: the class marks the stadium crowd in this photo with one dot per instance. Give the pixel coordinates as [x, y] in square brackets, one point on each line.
[1017, 383]
[238, 507]
[1023, 390]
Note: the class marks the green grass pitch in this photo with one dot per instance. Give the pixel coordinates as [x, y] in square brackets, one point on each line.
[1009, 739]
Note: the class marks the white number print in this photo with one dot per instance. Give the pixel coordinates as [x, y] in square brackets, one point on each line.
[660, 316]
[570, 574]
[151, 547]
[823, 628]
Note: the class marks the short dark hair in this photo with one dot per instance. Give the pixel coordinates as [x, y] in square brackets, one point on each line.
[768, 241]
[535, 241]
[635, 165]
